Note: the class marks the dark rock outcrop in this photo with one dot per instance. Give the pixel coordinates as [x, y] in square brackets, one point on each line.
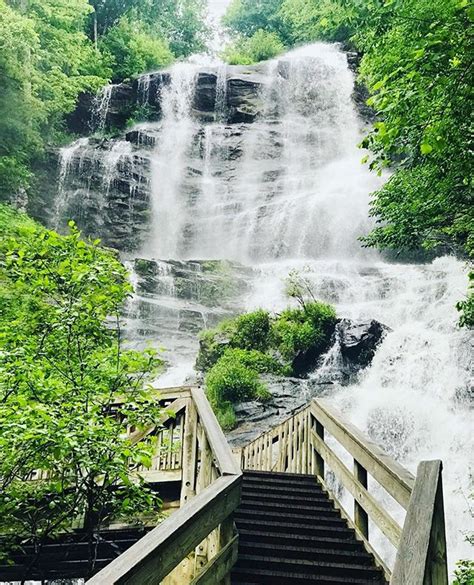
[358, 341]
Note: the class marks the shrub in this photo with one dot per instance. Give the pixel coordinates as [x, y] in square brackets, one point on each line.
[298, 330]
[231, 380]
[240, 350]
[252, 331]
[464, 573]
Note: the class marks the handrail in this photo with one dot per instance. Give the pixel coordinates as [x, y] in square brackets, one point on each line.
[155, 555]
[210, 493]
[299, 445]
[397, 480]
[220, 447]
[421, 555]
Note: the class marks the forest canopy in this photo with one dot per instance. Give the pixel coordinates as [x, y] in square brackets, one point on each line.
[52, 50]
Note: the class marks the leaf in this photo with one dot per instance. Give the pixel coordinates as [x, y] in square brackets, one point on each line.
[426, 148]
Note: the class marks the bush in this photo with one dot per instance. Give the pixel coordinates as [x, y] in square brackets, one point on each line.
[299, 330]
[464, 573]
[251, 331]
[233, 379]
[134, 49]
[259, 47]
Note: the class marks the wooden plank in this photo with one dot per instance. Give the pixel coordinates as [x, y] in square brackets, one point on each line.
[375, 511]
[220, 566]
[160, 475]
[175, 407]
[394, 478]
[319, 461]
[421, 556]
[155, 555]
[219, 445]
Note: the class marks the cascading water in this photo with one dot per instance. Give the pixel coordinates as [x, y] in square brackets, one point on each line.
[268, 182]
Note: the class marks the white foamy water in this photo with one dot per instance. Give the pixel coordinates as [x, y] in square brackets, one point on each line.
[297, 197]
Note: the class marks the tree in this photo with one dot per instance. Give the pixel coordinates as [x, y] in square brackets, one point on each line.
[134, 49]
[68, 389]
[246, 17]
[259, 47]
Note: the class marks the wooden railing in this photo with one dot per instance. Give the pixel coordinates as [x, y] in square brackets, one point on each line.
[197, 544]
[300, 445]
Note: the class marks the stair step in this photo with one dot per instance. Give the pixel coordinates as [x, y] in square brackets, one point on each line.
[308, 567]
[324, 518]
[310, 553]
[280, 478]
[287, 528]
[281, 539]
[253, 576]
[281, 491]
[319, 509]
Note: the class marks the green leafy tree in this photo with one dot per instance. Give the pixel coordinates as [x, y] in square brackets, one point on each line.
[261, 46]
[133, 49]
[246, 17]
[68, 389]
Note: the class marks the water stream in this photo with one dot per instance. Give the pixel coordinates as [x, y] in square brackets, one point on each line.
[288, 192]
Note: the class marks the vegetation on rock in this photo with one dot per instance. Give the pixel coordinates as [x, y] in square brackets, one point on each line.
[235, 354]
[62, 371]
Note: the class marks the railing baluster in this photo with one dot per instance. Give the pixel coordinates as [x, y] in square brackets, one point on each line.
[361, 518]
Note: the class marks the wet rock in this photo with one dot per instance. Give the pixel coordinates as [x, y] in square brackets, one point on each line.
[288, 396]
[358, 341]
[205, 94]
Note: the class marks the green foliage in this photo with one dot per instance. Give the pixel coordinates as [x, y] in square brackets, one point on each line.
[262, 45]
[234, 378]
[133, 48]
[246, 17]
[251, 331]
[299, 330]
[53, 50]
[466, 307]
[239, 351]
[62, 368]
[464, 573]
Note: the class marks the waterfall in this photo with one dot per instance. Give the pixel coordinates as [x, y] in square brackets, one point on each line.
[101, 108]
[234, 196]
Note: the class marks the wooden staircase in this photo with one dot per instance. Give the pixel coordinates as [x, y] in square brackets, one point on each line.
[290, 533]
[271, 514]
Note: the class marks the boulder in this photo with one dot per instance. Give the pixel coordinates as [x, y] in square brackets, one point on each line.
[358, 341]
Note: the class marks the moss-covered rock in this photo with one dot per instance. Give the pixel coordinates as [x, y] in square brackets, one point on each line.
[236, 353]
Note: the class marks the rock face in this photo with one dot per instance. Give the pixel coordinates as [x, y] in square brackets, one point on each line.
[232, 94]
[359, 340]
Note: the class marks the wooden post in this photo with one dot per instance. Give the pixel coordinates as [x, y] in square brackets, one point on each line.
[361, 518]
[189, 453]
[319, 460]
[421, 556]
